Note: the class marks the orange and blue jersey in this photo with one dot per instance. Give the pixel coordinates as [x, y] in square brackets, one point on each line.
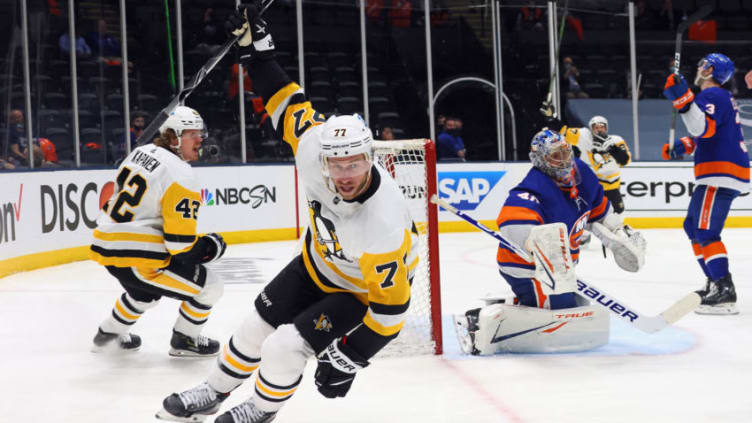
[538, 200]
[721, 158]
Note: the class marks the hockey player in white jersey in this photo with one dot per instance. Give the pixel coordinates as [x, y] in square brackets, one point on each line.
[345, 296]
[146, 238]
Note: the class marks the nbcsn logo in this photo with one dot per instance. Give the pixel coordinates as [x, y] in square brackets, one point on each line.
[207, 198]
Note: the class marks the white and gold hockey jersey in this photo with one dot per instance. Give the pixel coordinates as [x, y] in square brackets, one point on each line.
[152, 213]
[367, 246]
[603, 163]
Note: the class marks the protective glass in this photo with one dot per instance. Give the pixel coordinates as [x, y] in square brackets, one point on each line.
[347, 167]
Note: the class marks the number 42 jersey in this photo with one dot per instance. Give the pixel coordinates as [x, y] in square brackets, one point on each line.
[152, 213]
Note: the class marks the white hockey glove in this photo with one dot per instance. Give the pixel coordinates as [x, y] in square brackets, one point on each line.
[627, 245]
[338, 364]
[256, 40]
[237, 25]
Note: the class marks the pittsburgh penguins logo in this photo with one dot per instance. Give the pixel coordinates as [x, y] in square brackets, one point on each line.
[323, 323]
[326, 234]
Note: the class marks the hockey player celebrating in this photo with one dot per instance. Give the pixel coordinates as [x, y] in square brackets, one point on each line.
[344, 297]
[544, 217]
[721, 171]
[605, 153]
[146, 238]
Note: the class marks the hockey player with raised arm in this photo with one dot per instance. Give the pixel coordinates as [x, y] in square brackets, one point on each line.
[146, 238]
[544, 217]
[721, 171]
[345, 296]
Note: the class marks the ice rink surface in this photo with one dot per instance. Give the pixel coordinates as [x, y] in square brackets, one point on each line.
[698, 370]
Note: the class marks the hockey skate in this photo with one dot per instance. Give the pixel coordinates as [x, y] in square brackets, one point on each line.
[193, 405]
[185, 346]
[718, 297]
[105, 341]
[465, 326]
[246, 412]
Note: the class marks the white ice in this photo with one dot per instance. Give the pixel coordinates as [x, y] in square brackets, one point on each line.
[698, 370]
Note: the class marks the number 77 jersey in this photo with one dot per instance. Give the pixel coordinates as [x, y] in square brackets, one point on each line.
[367, 246]
[152, 213]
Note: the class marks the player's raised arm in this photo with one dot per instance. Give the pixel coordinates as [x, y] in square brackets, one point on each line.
[291, 113]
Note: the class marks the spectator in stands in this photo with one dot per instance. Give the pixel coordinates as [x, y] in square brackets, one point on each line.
[574, 89]
[531, 17]
[17, 140]
[83, 50]
[102, 43]
[5, 165]
[386, 133]
[450, 145]
[138, 124]
[440, 123]
[748, 79]
[232, 87]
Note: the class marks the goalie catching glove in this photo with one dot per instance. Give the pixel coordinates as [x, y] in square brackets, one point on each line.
[338, 364]
[254, 40]
[627, 245]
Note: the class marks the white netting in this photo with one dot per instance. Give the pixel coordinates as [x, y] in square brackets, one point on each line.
[406, 162]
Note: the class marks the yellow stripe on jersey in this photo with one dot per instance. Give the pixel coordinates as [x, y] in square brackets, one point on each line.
[299, 118]
[379, 328]
[279, 101]
[127, 236]
[180, 213]
[311, 269]
[164, 281]
[571, 135]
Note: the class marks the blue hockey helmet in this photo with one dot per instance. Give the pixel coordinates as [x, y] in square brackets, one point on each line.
[723, 67]
[552, 155]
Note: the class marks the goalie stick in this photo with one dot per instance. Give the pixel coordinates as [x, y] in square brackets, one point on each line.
[179, 99]
[699, 14]
[647, 324]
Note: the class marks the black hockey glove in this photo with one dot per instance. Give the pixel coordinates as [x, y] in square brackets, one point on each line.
[338, 364]
[215, 247]
[255, 40]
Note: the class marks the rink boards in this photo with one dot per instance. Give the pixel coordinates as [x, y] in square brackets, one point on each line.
[46, 217]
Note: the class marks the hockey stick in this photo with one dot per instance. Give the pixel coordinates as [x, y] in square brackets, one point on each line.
[647, 324]
[699, 14]
[179, 99]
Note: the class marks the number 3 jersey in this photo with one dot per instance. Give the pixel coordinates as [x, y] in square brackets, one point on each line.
[152, 213]
[366, 246]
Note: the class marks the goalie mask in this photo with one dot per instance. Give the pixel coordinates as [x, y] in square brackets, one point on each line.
[346, 153]
[551, 154]
[183, 118]
[599, 128]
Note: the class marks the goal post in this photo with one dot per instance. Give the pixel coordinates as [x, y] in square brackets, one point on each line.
[412, 164]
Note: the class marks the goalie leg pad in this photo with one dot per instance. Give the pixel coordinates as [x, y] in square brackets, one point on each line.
[520, 329]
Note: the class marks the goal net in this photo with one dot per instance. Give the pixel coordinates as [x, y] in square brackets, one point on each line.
[412, 163]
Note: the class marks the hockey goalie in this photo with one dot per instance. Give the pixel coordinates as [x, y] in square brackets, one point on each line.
[543, 219]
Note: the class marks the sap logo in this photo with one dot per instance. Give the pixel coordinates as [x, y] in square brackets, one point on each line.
[10, 213]
[207, 198]
[466, 190]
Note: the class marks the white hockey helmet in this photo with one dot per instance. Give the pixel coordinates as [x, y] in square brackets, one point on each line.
[182, 118]
[598, 120]
[345, 136]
